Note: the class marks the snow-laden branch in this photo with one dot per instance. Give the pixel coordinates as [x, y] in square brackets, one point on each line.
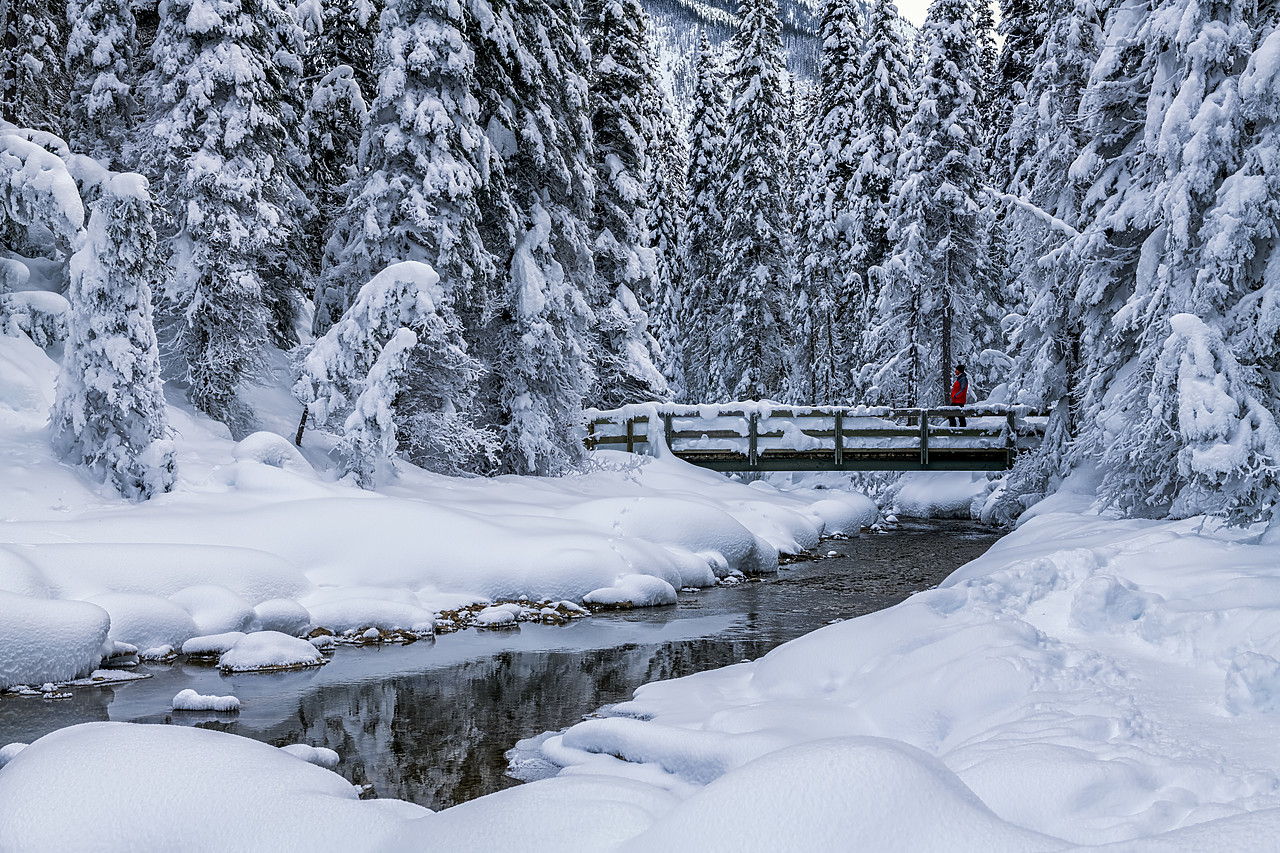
[1038, 212]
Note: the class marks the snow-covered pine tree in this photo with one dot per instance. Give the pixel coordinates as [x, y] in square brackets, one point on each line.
[33, 77]
[1024, 24]
[937, 306]
[109, 410]
[623, 84]
[334, 123]
[358, 372]
[99, 63]
[217, 150]
[748, 354]
[1046, 339]
[706, 187]
[668, 167]
[422, 156]
[825, 286]
[983, 81]
[346, 36]
[532, 326]
[1182, 426]
[883, 109]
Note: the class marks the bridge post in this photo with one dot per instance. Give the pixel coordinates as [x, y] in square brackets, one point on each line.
[752, 433]
[668, 432]
[631, 435]
[591, 435]
[924, 438]
[839, 437]
[1011, 442]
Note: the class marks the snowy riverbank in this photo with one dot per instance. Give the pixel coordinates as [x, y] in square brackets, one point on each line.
[257, 538]
[1088, 682]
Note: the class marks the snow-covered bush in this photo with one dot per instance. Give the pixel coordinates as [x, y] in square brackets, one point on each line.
[109, 412]
[36, 190]
[396, 355]
[38, 313]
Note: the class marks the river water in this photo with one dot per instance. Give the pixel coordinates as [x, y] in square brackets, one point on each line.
[430, 722]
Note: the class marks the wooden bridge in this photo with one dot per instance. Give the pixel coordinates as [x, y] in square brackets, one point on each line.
[768, 437]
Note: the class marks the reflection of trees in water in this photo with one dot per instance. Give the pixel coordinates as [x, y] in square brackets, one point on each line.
[439, 738]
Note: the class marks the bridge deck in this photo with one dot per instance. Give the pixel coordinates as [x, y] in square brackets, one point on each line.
[765, 437]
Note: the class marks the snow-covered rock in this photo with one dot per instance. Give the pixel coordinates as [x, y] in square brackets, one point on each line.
[215, 609]
[43, 640]
[146, 621]
[269, 650]
[318, 755]
[633, 591]
[190, 700]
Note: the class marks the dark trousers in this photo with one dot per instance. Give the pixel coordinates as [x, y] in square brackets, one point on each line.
[952, 421]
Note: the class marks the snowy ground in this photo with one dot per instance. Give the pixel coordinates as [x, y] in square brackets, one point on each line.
[1089, 682]
[258, 540]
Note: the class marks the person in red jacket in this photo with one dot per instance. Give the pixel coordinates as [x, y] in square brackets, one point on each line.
[959, 392]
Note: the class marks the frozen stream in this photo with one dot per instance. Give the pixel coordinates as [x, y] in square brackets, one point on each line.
[430, 722]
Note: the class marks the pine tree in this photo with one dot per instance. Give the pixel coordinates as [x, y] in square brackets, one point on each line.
[109, 411]
[360, 372]
[334, 124]
[668, 167]
[422, 156]
[937, 306]
[1024, 25]
[883, 108]
[33, 79]
[706, 185]
[622, 86]
[825, 286]
[218, 148]
[531, 328]
[99, 63]
[1183, 379]
[755, 251]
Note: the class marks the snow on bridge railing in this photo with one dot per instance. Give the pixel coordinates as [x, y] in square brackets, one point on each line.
[773, 436]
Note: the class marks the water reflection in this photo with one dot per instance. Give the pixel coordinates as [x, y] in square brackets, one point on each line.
[430, 722]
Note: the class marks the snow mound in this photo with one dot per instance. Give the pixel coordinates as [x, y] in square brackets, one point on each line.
[358, 614]
[215, 609]
[211, 645]
[633, 591]
[146, 621]
[318, 755]
[269, 650]
[845, 513]
[688, 525]
[204, 790]
[498, 616]
[189, 700]
[845, 794]
[281, 614]
[18, 575]
[10, 751]
[43, 640]
[270, 449]
[939, 494]
[79, 570]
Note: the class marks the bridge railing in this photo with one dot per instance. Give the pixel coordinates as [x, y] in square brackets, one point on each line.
[761, 436]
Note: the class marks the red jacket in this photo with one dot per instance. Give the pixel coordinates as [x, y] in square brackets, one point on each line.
[960, 390]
